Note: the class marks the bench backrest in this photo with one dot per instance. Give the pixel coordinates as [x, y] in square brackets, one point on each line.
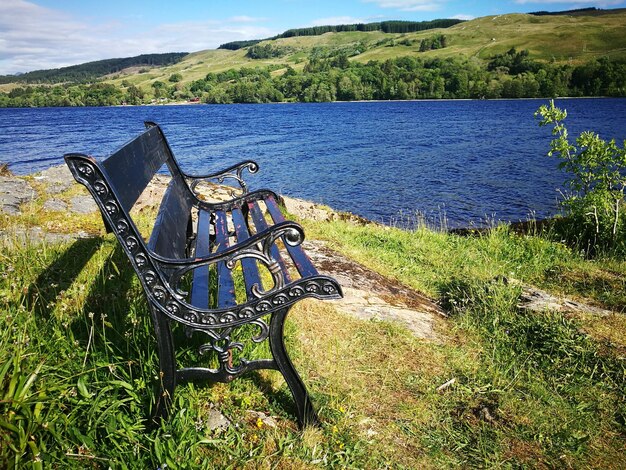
[132, 167]
[126, 174]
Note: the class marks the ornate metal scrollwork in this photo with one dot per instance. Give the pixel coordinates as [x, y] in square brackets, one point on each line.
[164, 292]
[161, 279]
[290, 235]
[90, 175]
[101, 188]
[221, 343]
[234, 173]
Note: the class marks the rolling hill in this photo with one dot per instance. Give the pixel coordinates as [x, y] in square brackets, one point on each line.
[569, 39]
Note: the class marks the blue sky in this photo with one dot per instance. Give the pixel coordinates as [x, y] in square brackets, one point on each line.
[40, 34]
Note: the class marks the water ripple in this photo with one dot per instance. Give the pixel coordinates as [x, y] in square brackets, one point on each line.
[470, 159]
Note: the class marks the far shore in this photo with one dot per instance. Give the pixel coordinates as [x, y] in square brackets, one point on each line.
[198, 103]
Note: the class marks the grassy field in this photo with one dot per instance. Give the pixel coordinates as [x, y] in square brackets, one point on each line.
[539, 390]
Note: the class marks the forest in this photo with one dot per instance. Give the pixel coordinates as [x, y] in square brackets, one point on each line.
[93, 70]
[384, 26]
[509, 75]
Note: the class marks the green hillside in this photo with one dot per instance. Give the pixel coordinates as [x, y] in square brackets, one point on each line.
[559, 38]
[581, 53]
[93, 70]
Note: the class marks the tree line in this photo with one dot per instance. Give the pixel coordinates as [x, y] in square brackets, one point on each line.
[566, 12]
[509, 75]
[384, 26]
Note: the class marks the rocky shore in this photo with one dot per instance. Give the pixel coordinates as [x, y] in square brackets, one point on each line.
[368, 295]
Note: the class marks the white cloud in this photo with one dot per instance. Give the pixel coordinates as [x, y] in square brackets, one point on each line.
[409, 5]
[33, 37]
[196, 36]
[463, 17]
[587, 3]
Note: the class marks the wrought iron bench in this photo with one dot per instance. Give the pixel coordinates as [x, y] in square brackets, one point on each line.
[212, 267]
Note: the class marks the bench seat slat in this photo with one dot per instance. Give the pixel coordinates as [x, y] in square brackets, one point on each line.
[300, 259]
[200, 286]
[248, 265]
[225, 283]
[261, 224]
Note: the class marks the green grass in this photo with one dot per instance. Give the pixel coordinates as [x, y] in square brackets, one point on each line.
[78, 365]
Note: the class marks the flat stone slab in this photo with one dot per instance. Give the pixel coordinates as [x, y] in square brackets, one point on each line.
[34, 236]
[370, 296]
[55, 205]
[538, 300]
[83, 204]
[57, 179]
[14, 191]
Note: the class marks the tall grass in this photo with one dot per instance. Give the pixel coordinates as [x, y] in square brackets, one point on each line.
[78, 366]
[79, 370]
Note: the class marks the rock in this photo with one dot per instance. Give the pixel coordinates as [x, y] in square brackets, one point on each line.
[216, 420]
[370, 296]
[262, 419]
[35, 235]
[14, 191]
[55, 205]
[307, 210]
[538, 300]
[83, 204]
[153, 193]
[57, 179]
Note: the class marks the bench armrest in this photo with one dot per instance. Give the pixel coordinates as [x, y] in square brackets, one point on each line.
[238, 201]
[234, 172]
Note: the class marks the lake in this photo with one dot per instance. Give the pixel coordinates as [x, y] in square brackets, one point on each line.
[472, 161]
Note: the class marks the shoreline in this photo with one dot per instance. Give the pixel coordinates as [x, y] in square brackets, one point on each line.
[416, 100]
[17, 190]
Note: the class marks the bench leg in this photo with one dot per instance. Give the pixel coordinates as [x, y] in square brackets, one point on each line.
[304, 407]
[167, 365]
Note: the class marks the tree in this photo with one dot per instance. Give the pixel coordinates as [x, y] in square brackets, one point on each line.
[134, 95]
[159, 89]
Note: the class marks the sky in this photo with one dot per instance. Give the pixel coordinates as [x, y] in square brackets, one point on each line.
[43, 34]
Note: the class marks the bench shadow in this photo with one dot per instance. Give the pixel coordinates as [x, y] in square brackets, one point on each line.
[60, 275]
[107, 296]
[281, 397]
[108, 301]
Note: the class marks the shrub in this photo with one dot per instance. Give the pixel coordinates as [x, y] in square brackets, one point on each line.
[175, 78]
[594, 203]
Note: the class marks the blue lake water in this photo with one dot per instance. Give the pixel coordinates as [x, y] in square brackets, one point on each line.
[469, 160]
